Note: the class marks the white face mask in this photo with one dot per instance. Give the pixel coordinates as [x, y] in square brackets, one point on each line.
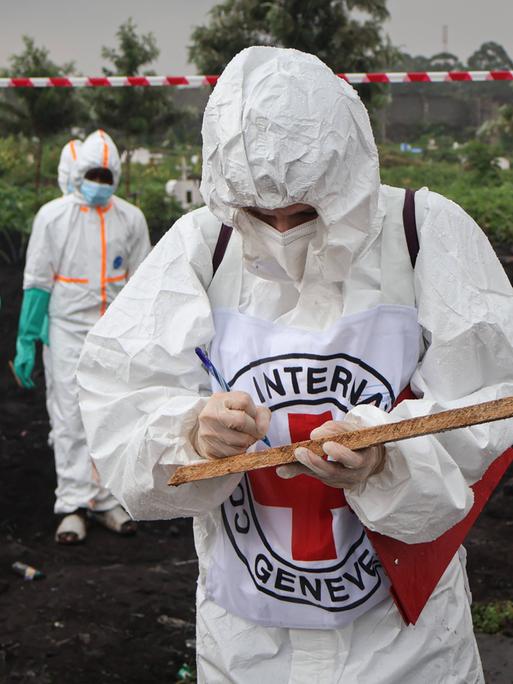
[274, 255]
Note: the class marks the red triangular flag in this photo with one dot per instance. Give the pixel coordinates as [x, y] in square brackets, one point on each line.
[415, 569]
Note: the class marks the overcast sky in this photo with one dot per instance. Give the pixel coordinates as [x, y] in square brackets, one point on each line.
[74, 30]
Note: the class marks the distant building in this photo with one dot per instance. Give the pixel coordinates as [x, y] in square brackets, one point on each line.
[455, 109]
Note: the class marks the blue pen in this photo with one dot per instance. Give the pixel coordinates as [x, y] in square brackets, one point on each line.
[212, 370]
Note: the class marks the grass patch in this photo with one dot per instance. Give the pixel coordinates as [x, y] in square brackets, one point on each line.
[493, 617]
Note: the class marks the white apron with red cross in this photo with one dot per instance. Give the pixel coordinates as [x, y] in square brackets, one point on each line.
[291, 553]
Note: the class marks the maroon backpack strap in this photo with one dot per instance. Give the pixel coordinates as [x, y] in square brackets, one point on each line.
[222, 243]
[410, 225]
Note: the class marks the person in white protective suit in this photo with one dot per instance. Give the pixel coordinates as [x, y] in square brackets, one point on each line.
[67, 161]
[318, 321]
[82, 250]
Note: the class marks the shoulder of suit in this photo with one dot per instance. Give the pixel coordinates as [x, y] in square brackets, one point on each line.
[199, 225]
[55, 209]
[393, 203]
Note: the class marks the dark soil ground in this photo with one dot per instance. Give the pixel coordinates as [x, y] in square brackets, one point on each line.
[122, 610]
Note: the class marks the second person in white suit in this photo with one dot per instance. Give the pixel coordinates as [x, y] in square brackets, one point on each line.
[83, 248]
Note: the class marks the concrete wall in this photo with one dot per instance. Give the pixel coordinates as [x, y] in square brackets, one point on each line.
[455, 107]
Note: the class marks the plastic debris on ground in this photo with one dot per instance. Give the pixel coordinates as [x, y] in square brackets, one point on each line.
[27, 571]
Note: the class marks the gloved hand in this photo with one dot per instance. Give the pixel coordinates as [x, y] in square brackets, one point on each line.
[31, 327]
[24, 361]
[229, 424]
[344, 468]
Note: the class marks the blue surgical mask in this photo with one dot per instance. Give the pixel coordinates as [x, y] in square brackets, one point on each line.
[96, 194]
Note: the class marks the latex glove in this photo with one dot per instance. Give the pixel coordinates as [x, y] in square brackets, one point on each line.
[344, 468]
[24, 361]
[31, 327]
[228, 424]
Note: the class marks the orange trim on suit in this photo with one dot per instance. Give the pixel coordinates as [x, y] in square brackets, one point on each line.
[104, 280]
[64, 279]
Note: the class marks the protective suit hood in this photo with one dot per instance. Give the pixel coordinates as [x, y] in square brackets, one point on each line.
[280, 128]
[67, 161]
[97, 150]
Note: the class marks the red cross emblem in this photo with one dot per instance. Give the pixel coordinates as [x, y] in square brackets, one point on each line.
[311, 501]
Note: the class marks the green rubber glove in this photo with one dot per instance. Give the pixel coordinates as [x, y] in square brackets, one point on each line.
[31, 327]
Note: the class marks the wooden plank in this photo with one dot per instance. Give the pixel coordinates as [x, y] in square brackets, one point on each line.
[486, 412]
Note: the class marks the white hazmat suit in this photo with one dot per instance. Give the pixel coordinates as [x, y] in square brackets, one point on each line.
[324, 319]
[83, 256]
[67, 161]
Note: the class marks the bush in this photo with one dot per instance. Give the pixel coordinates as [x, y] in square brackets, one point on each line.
[161, 211]
[481, 159]
[444, 152]
[436, 176]
[18, 206]
[491, 618]
[393, 158]
[487, 197]
[149, 184]
[16, 161]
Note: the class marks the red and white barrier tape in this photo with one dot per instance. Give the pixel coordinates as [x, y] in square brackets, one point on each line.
[107, 81]
[199, 81]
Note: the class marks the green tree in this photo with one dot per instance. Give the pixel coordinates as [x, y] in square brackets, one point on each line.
[329, 29]
[37, 113]
[445, 61]
[135, 115]
[490, 57]
[406, 62]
